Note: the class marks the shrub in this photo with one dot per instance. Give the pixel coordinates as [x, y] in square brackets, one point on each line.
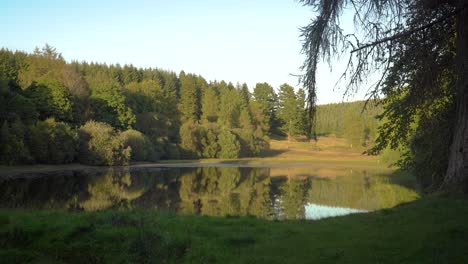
[142, 148]
[230, 147]
[53, 142]
[13, 149]
[190, 140]
[210, 144]
[101, 145]
[172, 151]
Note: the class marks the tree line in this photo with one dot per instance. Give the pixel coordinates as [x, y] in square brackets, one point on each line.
[354, 121]
[52, 111]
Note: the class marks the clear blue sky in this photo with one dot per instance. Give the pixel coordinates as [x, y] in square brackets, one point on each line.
[238, 41]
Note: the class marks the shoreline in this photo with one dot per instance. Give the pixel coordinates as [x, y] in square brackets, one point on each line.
[38, 170]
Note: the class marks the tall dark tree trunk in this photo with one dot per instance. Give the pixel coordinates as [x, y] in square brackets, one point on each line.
[457, 172]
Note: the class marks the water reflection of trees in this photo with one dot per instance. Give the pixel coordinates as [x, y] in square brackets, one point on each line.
[225, 191]
[208, 191]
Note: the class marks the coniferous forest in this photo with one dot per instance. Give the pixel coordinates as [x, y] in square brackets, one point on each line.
[57, 112]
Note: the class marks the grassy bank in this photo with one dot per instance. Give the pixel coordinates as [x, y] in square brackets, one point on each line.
[430, 230]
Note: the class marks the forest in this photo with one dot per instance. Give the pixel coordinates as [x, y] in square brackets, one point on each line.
[56, 112]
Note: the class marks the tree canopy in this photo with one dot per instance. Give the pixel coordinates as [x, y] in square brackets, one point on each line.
[420, 49]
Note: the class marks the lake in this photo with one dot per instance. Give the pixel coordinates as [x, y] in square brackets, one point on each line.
[263, 192]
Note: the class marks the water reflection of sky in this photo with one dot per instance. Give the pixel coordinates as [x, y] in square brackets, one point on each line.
[317, 211]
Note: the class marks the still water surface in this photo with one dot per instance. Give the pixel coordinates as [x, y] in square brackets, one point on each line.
[271, 193]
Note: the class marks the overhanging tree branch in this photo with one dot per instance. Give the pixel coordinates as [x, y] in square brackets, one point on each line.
[409, 32]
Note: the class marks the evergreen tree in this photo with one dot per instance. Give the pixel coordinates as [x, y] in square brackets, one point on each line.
[288, 111]
[229, 112]
[420, 50]
[230, 147]
[210, 106]
[266, 98]
[191, 138]
[245, 92]
[190, 100]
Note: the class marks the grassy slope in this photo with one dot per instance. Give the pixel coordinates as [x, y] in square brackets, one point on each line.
[329, 150]
[431, 230]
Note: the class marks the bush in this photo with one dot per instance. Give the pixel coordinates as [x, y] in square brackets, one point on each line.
[101, 145]
[53, 142]
[209, 143]
[191, 140]
[230, 147]
[172, 151]
[251, 145]
[13, 149]
[142, 148]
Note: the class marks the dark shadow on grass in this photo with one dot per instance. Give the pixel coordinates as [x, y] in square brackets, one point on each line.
[272, 153]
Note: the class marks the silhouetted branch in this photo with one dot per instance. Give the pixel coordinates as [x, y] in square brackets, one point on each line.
[409, 32]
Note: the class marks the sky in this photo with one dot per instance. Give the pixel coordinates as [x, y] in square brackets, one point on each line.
[241, 41]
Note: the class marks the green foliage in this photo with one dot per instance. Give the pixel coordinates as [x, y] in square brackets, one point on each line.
[52, 99]
[173, 151]
[13, 148]
[430, 144]
[259, 120]
[290, 112]
[210, 105]
[53, 142]
[350, 121]
[23, 107]
[100, 144]
[352, 128]
[247, 143]
[8, 65]
[266, 99]
[191, 135]
[230, 107]
[154, 116]
[150, 103]
[210, 142]
[190, 95]
[109, 103]
[230, 146]
[142, 148]
[244, 90]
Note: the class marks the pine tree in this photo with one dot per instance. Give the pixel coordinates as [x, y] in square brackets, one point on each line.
[288, 111]
[190, 100]
[229, 109]
[210, 106]
[245, 92]
[266, 100]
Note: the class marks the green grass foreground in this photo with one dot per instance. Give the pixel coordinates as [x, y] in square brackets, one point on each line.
[431, 230]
